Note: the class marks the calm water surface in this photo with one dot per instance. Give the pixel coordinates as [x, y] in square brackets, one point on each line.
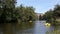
[37, 28]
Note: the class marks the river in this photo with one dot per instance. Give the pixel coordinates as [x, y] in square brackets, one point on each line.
[38, 28]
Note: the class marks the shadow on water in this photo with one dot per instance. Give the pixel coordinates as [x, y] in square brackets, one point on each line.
[55, 30]
[6, 28]
[9, 28]
[37, 27]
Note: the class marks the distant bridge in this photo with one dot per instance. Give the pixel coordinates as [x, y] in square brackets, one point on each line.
[39, 14]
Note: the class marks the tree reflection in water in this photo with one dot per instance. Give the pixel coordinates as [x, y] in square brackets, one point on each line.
[56, 30]
[28, 28]
[9, 28]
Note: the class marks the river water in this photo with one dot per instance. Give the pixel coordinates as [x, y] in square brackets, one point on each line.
[37, 28]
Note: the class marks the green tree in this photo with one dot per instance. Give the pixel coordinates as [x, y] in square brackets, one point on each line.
[52, 15]
[57, 11]
[8, 10]
[25, 14]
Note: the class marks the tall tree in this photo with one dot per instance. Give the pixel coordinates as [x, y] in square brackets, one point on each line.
[8, 10]
[57, 11]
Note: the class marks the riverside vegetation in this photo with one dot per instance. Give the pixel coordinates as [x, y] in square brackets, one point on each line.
[52, 16]
[9, 13]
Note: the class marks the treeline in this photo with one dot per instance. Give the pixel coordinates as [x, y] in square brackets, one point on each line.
[52, 15]
[9, 13]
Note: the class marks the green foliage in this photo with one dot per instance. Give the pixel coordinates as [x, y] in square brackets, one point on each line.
[7, 10]
[11, 14]
[40, 17]
[52, 15]
[25, 14]
[57, 11]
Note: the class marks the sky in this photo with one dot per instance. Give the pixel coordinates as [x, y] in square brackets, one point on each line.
[41, 6]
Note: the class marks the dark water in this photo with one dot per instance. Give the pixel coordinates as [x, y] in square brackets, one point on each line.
[38, 27]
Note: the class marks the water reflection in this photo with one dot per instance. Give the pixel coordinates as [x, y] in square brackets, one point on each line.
[38, 27]
[53, 30]
[9, 28]
[56, 30]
